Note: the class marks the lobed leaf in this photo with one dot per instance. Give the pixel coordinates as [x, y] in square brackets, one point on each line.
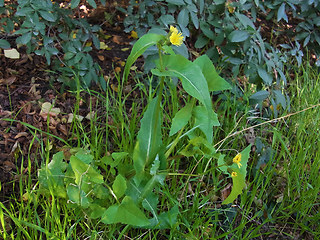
[127, 213]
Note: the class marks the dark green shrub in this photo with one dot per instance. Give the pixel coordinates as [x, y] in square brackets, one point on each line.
[233, 34]
[49, 29]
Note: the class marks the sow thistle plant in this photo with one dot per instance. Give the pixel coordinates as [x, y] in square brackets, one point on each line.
[123, 187]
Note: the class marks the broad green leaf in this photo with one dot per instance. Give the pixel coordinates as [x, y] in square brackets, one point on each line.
[149, 139]
[190, 74]
[150, 203]
[176, 2]
[237, 187]
[206, 29]
[260, 96]
[245, 20]
[280, 98]
[222, 164]
[24, 11]
[127, 213]
[201, 41]
[96, 42]
[282, 13]
[194, 19]
[68, 56]
[118, 156]
[206, 120]
[78, 196]
[165, 220]
[96, 211]
[215, 82]
[74, 3]
[183, 17]
[100, 191]
[1, 3]
[4, 44]
[239, 181]
[198, 145]
[267, 79]
[238, 36]
[181, 119]
[82, 170]
[155, 166]
[48, 16]
[92, 3]
[119, 186]
[51, 177]
[166, 20]
[138, 49]
[84, 156]
[25, 38]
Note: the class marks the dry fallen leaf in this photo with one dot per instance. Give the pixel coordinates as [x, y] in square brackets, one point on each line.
[8, 166]
[117, 39]
[90, 115]
[63, 129]
[101, 57]
[21, 134]
[225, 192]
[71, 116]
[12, 53]
[47, 108]
[114, 88]
[117, 69]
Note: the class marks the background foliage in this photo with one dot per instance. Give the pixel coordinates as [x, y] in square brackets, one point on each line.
[50, 29]
[250, 39]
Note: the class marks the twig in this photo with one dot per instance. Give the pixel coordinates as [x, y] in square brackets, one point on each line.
[270, 121]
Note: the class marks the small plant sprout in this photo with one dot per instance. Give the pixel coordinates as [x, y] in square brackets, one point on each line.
[176, 37]
[237, 160]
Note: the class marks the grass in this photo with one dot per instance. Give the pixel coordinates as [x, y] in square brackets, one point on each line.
[281, 200]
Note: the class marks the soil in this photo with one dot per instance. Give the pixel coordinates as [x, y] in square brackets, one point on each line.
[26, 83]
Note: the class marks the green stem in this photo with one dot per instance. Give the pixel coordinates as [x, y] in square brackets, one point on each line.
[159, 100]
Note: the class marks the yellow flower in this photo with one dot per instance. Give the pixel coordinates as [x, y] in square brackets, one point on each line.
[173, 29]
[237, 160]
[176, 38]
[234, 174]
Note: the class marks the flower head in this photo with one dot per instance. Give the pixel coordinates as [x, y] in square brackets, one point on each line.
[234, 174]
[173, 29]
[237, 160]
[176, 38]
